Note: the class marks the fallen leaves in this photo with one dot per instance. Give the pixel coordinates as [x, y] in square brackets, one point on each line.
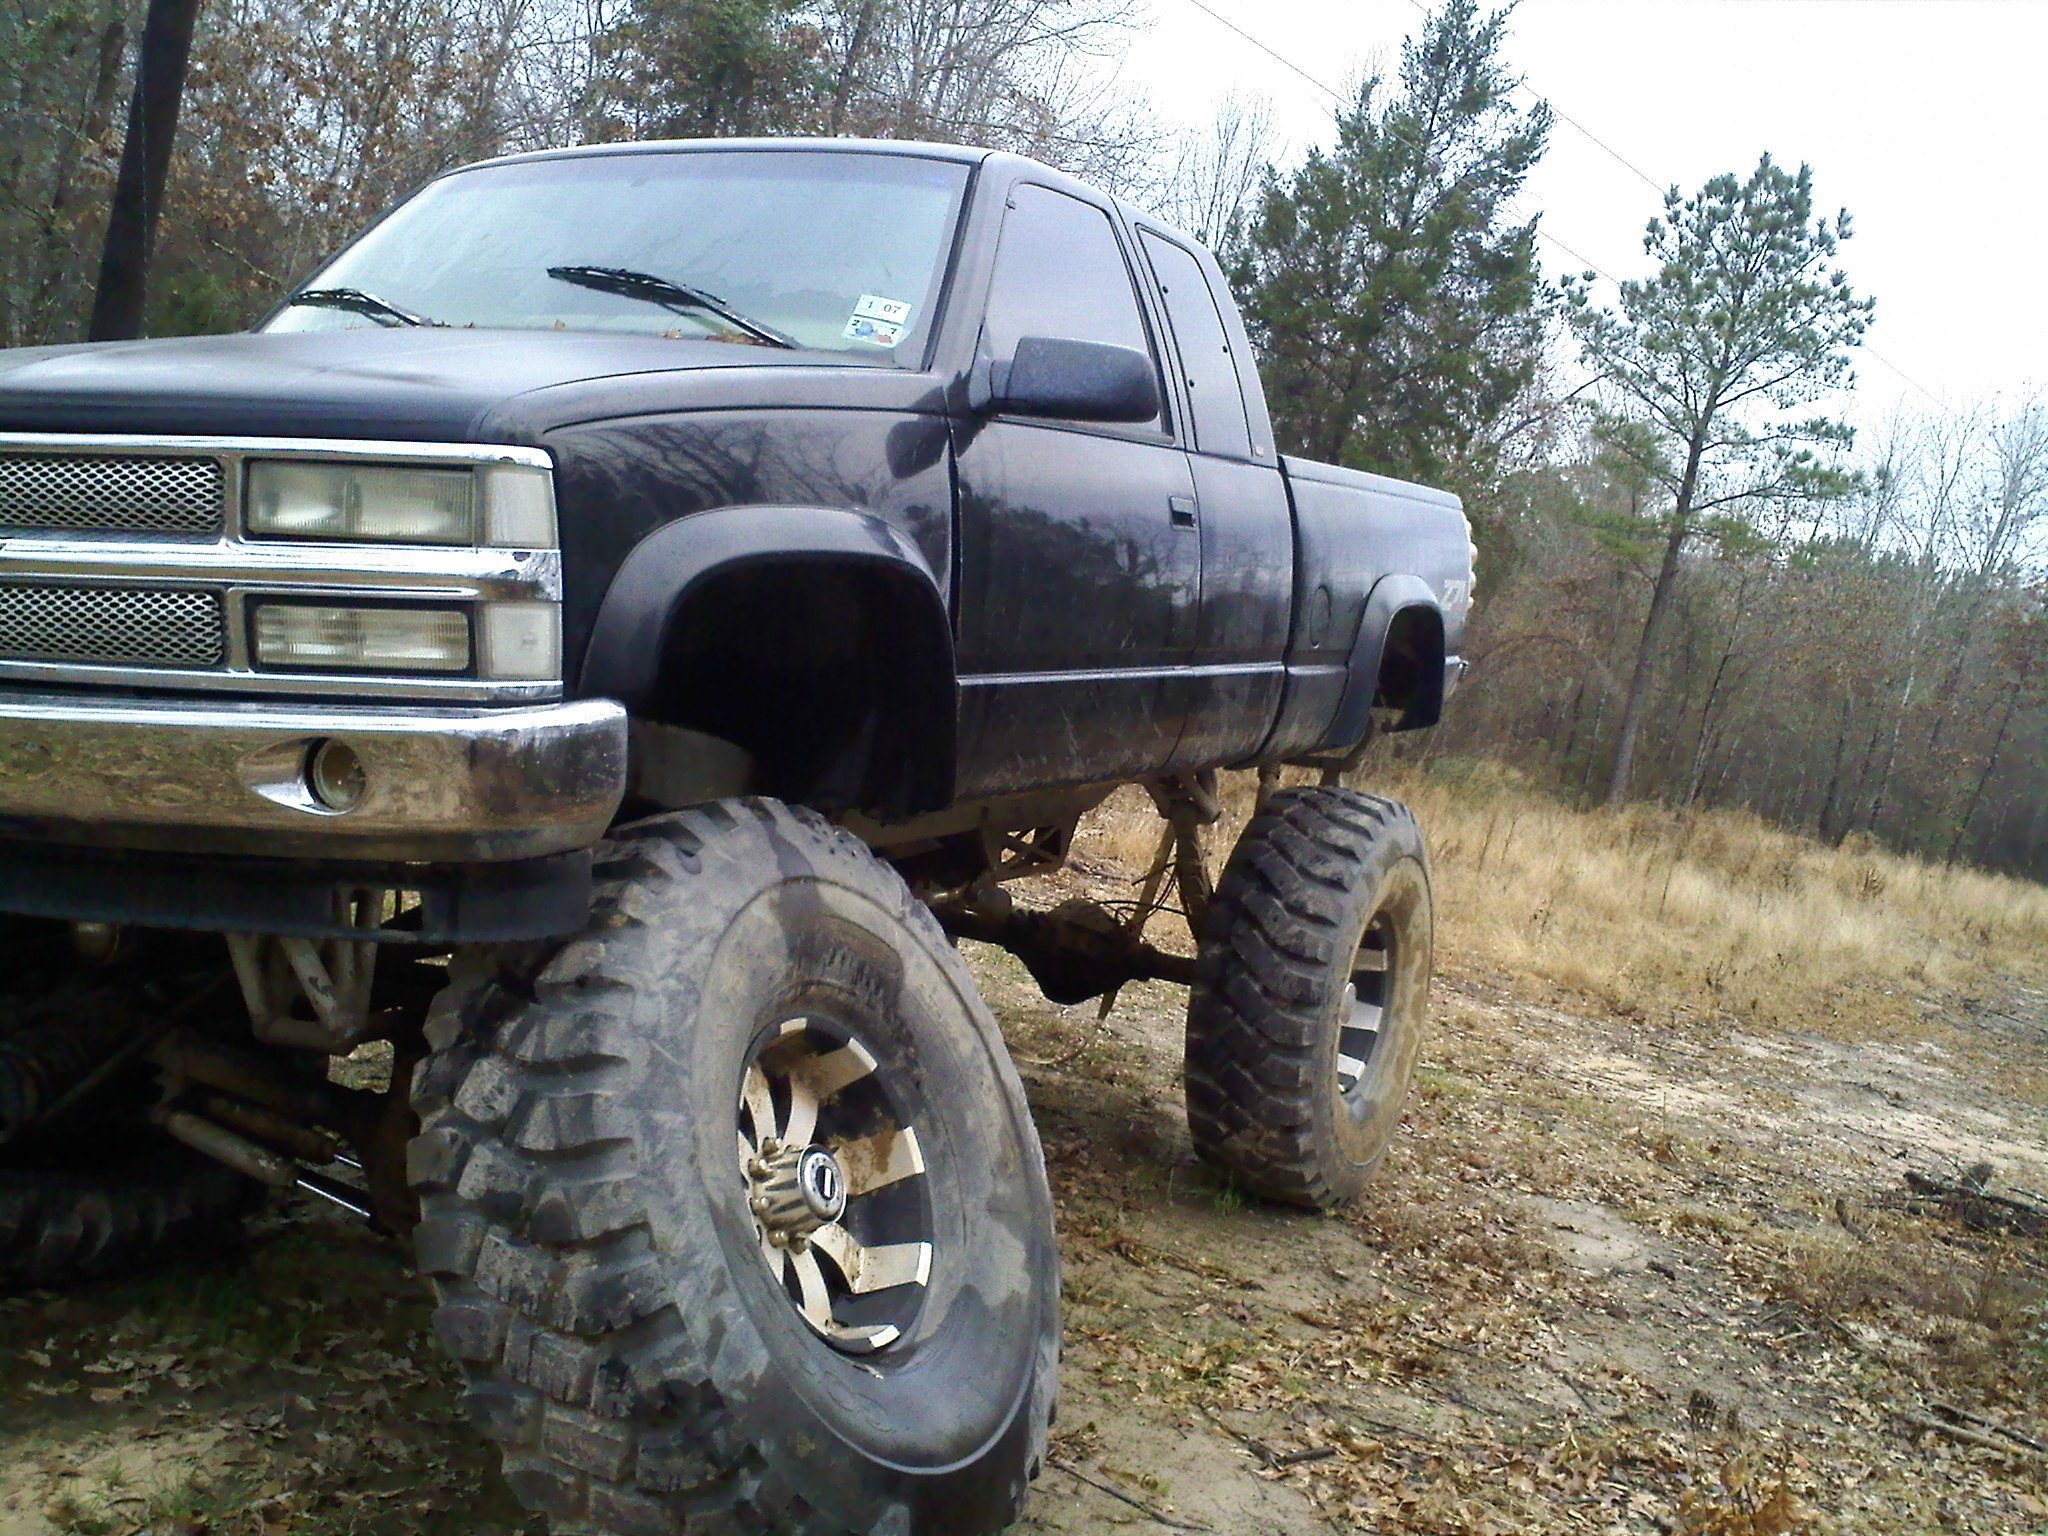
[1737, 1504]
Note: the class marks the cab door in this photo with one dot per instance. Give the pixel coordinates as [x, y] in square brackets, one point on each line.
[1229, 696]
[1080, 549]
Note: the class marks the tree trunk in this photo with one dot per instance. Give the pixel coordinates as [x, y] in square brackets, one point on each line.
[1653, 628]
[145, 166]
[1864, 762]
[1570, 750]
[1828, 829]
[1730, 770]
[2012, 702]
[849, 67]
[1696, 777]
[1967, 636]
[1593, 746]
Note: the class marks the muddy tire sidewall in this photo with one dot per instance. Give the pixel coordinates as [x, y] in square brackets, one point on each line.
[1313, 871]
[586, 1221]
[939, 1396]
[1362, 1123]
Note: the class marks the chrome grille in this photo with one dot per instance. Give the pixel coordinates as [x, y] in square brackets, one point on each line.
[115, 626]
[111, 492]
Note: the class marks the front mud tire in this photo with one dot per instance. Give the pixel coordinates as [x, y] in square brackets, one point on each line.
[1311, 995]
[645, 1360]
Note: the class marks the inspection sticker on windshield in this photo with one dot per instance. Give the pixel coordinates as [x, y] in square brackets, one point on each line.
[878, 320]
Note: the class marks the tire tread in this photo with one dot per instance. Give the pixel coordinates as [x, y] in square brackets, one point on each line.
[1256, 1016]
[552, 1298]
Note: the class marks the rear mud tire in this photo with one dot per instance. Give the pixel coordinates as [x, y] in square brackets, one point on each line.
[154, 1203]
[100, 1193]
[602, 1278]
[1311, 995]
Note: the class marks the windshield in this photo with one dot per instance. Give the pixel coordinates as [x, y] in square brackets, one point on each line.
[833, 252]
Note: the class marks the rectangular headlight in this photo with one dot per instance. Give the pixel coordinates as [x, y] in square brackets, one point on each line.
[380, 503]
[292, 636]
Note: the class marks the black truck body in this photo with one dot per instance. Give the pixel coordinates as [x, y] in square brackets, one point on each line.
[614, 701]
[895, 593]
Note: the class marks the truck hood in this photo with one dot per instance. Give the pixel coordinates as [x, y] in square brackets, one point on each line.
[394, 385]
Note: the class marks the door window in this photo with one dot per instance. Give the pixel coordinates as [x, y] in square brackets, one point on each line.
[1059, 272]
[1215, 401]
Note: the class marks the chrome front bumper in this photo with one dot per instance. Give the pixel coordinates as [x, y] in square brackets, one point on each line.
[443, 785]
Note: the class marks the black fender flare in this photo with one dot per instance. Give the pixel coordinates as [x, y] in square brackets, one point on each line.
[629, 641]
[1390, 597]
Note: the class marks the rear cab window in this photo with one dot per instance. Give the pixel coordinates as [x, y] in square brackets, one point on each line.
[1208, 367]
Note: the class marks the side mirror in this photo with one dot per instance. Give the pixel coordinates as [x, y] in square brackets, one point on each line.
[1076, 381]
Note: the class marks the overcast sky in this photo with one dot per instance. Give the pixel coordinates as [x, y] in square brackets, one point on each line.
[1926, 119]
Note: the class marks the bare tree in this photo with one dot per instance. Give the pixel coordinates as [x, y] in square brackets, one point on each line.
[1866, 672]
[308, 117]
[1931, 461]
[2002, 523]
[64, 66]
[1023, 75]
[1211, 175]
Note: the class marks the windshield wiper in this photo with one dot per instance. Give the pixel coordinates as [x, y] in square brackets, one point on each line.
[679, 298]
[357, 302]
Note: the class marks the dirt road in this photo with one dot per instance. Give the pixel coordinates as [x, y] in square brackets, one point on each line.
[1616, 1277]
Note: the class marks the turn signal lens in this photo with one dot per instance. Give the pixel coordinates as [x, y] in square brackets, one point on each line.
[519, 507]
[294, 636]
[520, 642]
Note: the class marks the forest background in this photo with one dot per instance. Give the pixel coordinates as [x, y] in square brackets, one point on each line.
[1696, 585]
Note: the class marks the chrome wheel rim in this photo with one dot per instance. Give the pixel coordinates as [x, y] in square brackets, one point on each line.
[1361, 1025]
[834, 1178]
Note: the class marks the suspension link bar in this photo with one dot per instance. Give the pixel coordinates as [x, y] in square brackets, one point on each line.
[1070, 959]
[335, 977]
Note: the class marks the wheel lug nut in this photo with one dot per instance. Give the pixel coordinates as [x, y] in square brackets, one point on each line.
[793, 1191]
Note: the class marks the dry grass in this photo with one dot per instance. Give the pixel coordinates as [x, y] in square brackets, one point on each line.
[1620, 1280]
[1703, 914]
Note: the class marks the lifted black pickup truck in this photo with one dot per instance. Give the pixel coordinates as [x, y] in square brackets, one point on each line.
[602, 635]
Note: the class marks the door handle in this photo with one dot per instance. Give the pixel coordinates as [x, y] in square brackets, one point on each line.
[1182, 509]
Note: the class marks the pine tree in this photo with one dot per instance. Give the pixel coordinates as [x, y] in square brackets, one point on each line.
[1395, 305]
[707, 68]
[1743, 323]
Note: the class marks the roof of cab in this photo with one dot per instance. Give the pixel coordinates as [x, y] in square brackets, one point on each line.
[959, 153]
